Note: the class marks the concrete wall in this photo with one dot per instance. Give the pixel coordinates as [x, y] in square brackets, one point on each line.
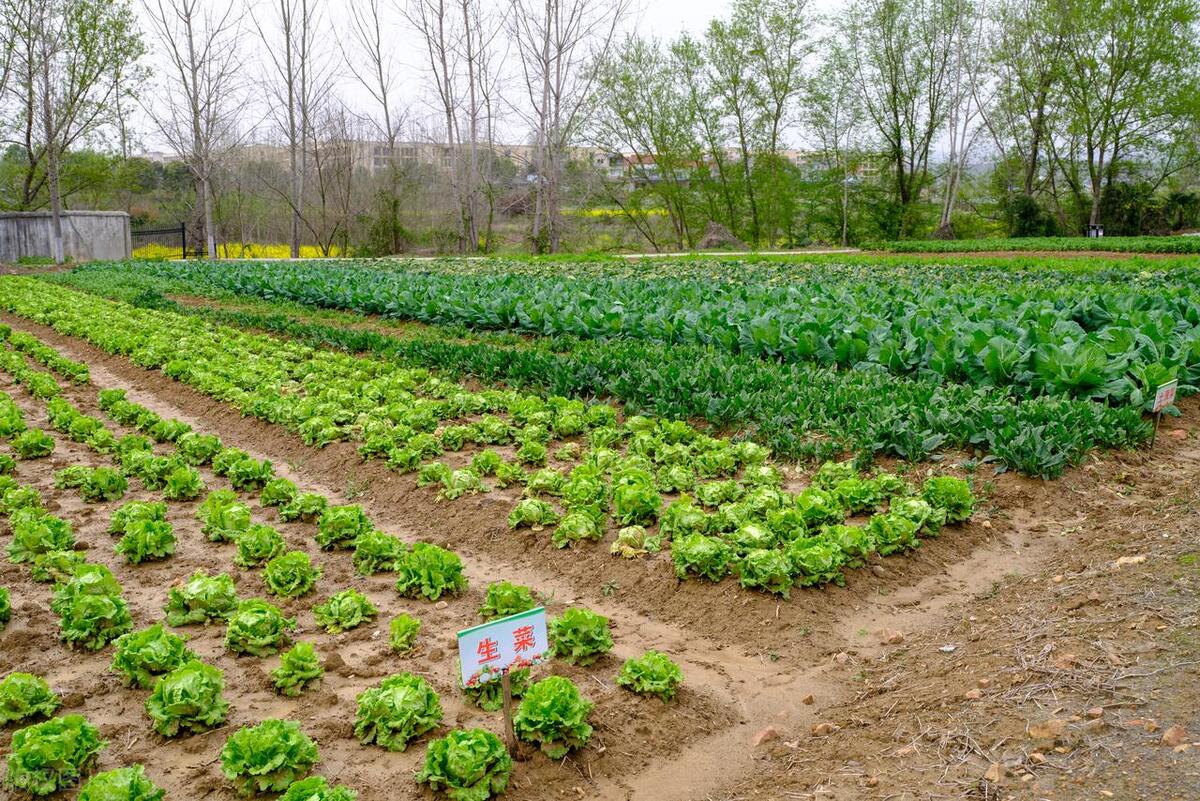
[87, 235]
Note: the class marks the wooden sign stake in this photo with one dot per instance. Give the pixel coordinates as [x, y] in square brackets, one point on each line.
[509, 734]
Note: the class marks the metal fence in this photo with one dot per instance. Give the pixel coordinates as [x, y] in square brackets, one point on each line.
[172, 242]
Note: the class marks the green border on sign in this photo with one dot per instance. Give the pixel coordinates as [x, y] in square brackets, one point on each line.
[498, 621]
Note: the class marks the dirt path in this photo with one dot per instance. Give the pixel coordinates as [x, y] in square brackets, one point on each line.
[751, 661]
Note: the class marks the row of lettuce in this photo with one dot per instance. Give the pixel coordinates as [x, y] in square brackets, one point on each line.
[1084, 335]
[730, 514]
[800, 410]
[187, 695]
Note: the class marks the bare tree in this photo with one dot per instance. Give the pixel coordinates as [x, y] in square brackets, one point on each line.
[300, 80]
[971, 92]
[198, 112]
[555, 40]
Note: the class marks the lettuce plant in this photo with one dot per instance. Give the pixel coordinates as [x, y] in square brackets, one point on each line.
[103, 484]
[249, 474]
[224, 460]
[432, 473]
[189, 698]
[224, 516]
[291, 575]
[951, 495]
[90, 608]
[197, 449]
[429, 571]
[317, 788]
[72, 477]
[505, 598]
[257, 545]
[767, 569]
[168, 430]
[7, 464]
[701, 555]
[340, 526]
[653, 673]
[461, 482]
[892, 533]
[128, 512]
[817, 560]
[403, 632]
[183, 483]
[5, 607]
[278, 492]
[267, 758]
[634, 541]
[299, 668]
[35, 532]
[489, 695]
[146, 541]
[376, 552]
[24, 696]
[141, 656]
[400, 709]
[33, 444]
[258, 628]
[122, 784]
[577, 525]
[16, 498]
[532, 512]
[344, 610]
[486, 462]
[580, 636]
[201, 599]
[306, 506]
[553, 715]
[467, 765]
[49, 757]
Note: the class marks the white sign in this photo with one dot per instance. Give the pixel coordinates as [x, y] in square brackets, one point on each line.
[488, 651]
[1165, 395]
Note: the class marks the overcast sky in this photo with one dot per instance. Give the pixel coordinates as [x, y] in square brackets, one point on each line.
[663, 19]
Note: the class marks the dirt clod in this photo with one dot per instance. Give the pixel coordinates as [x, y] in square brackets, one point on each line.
[1176, 735]
[766, 735]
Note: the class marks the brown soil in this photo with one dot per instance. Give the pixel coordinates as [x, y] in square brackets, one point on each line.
[750, 660]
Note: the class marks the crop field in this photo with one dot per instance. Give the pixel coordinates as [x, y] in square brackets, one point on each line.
[245, 508]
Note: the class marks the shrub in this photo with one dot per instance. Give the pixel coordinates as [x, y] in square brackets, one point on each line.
[403, 630]
[143, 655]
[122, 784]
[344, 610]
[278, 492]
[553, 716]
[580, 636]
[48, 757]
[24, 696]
[505, 598]
[257, 545]
[267, 758]
[291, 575]
[33, 444]
[147, 540]
[316, 788]
[188, 699]
[429, 571]
[223, 515]
[201, 599]
[183, 483]
[257, 627]
[340, 526]
[375, 552]
[653, 673]
[467, 765]
[128, 512]
[400, 709]
[299, 667]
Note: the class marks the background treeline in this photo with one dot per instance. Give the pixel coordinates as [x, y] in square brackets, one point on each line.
[551, 126]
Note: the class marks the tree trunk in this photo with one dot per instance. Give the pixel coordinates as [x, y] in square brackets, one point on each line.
[56, 231]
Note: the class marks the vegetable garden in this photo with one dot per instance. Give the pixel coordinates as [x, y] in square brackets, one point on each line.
[203, 614]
